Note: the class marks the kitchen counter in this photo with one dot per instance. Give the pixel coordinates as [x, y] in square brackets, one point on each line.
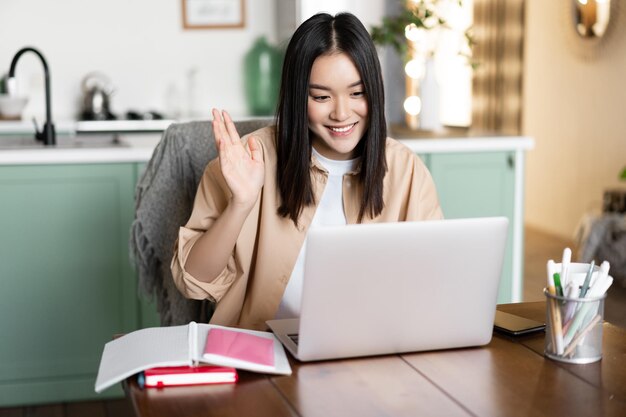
[81, 149]
[138, 147]
[72, 128]
[469, 144]
[82, 142]
[76, 127]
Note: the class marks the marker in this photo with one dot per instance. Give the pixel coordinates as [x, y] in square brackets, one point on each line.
[141, 380]
[557, 284]
[550, 267]
[602, 283]
[570, 307]
[603, 274]
[556, 312]
[585, 287]
[567, 258]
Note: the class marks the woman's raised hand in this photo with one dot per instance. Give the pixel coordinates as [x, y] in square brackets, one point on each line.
[242, 166]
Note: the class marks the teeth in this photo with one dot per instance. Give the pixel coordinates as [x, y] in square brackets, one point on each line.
[341, 129]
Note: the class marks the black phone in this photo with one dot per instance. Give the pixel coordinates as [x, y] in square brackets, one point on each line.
[513, 325]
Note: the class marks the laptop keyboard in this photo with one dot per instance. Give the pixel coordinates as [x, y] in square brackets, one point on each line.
[294, 338]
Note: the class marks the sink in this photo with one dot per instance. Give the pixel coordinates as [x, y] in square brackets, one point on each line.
[90, 141]
[78, 149]
[26, 142]
[12, 142]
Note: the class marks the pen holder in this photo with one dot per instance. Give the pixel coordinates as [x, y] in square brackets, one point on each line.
[574, 328]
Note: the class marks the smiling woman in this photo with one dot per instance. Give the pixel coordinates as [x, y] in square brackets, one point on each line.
[337, 108]
[327, 162]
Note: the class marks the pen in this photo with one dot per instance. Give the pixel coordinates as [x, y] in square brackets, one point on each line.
[585, 287]
[141, 380]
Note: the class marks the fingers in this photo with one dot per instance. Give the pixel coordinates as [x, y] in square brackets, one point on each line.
[218, 128]
[230, 128]
[223, 127]
[226, 134]
[255, 150]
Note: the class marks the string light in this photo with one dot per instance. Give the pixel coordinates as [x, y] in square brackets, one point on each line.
[413, 105]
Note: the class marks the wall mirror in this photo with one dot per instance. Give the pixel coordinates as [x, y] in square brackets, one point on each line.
[591, 17]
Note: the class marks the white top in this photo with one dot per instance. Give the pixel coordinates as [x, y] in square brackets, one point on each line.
[329, 212]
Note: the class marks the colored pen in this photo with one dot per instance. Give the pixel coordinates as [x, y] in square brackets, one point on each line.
[585, 288]
[141, 379]
[572, 345]
[602, 284]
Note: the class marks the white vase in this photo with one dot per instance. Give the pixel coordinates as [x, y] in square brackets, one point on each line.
[430, 95]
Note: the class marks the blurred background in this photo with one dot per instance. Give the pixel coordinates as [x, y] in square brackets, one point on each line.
[570, 97]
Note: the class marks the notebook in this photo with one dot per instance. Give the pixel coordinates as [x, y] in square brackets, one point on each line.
[397, 287]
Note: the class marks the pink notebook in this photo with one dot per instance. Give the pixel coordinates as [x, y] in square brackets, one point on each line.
[241, 346]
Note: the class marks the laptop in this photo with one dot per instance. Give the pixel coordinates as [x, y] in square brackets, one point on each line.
[388, 288]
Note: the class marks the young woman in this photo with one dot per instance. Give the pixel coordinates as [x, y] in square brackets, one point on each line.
[326, 162]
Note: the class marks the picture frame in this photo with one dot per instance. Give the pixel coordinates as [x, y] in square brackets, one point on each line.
[213, 14]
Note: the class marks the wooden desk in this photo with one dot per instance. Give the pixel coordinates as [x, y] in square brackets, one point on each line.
[508, 377]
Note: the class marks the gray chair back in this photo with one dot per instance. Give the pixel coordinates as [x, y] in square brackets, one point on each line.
[163, 202]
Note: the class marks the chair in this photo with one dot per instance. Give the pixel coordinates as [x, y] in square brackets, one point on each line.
[163, 202]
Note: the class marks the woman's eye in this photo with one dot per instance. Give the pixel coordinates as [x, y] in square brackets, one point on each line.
[320, 98]
[358, 94]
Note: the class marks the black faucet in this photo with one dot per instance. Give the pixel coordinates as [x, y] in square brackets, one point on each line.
[47, 135]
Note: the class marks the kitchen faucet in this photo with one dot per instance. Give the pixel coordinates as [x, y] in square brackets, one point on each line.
[47, 135]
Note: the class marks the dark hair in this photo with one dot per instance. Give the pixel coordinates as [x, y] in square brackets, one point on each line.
[324, 34]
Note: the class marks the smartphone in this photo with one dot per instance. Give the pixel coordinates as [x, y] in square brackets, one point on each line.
[513, 325]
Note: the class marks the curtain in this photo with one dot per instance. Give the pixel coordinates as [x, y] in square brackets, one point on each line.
[498, 30]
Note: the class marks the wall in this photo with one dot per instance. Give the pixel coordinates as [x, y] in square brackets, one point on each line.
[139, 44]
[575, 108]
[369, 12]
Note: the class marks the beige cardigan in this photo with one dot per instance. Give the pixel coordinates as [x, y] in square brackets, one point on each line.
[249, 290]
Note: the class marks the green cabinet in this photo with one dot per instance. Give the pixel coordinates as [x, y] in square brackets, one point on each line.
[478, 184]
[67, 283]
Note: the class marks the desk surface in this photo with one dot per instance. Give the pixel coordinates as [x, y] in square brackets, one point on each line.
[508, 377]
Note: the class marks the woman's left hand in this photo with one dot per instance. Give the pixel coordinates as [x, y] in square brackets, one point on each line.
[242, 166]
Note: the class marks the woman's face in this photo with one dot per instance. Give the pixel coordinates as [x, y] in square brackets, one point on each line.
[337, 107]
